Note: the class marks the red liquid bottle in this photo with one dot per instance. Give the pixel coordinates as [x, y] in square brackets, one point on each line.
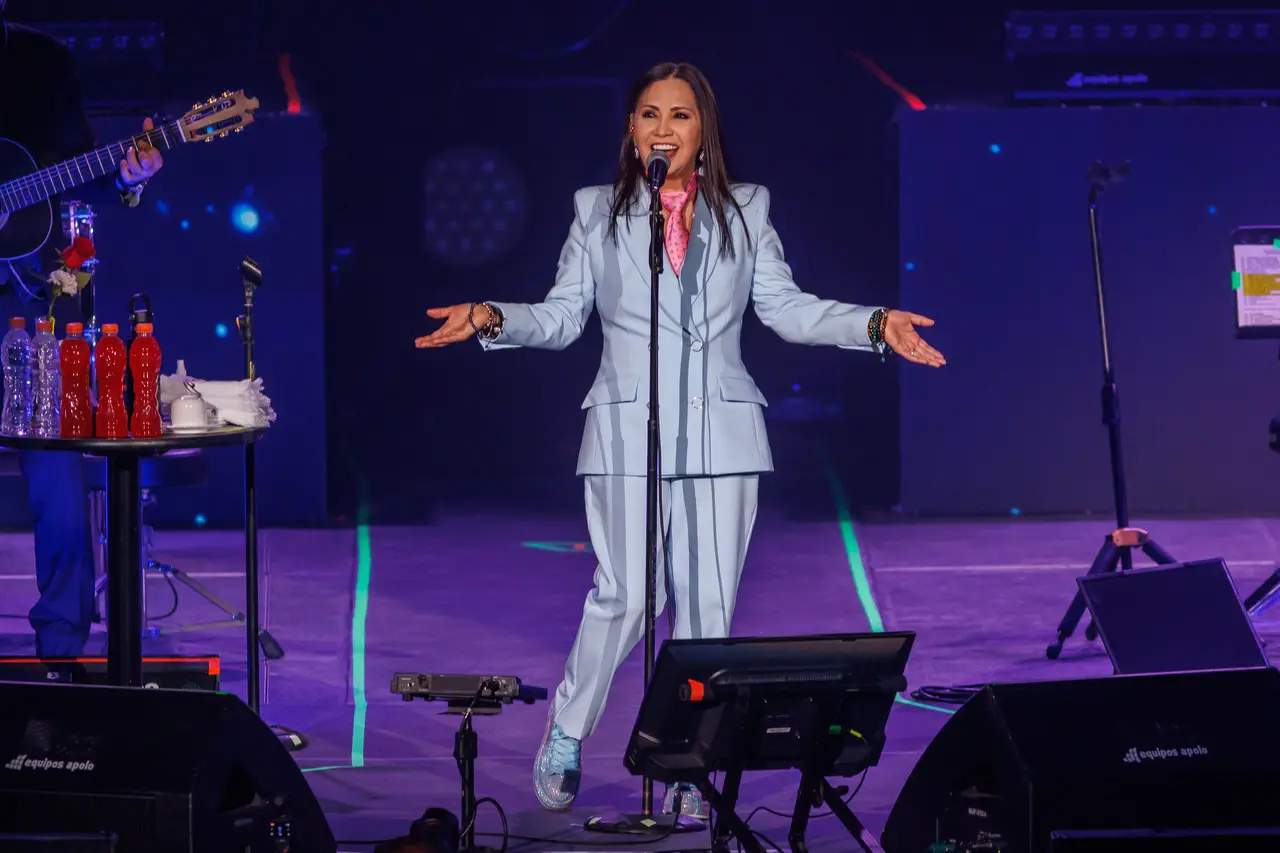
[77, 407]
[110, 358]
[144, 364]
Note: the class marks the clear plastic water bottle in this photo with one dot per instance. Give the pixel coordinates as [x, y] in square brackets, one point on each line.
[46, 383]
[15, 351]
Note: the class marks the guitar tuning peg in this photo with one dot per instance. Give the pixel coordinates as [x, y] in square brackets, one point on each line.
[239, 129]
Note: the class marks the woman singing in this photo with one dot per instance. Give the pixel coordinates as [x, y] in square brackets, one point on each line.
[721, 253]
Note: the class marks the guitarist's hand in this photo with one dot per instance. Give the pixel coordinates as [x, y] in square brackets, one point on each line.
[142, 161]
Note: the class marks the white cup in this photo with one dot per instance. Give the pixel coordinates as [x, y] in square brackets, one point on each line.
[187, 412]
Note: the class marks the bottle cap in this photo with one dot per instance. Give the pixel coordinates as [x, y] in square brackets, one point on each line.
[144, 328]
[44, 326]
[110, 329]
[17, 323]
[75, 328]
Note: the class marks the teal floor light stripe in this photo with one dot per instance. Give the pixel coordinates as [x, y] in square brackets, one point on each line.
[359, 623]
[861, 581]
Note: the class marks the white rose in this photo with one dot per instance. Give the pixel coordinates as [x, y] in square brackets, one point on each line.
[64, 282]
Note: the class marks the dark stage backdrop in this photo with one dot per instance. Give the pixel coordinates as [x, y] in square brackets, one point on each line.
[994, 244]
[493, 151]
[258, 194]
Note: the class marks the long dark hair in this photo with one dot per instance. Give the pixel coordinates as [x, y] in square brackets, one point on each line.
[714, 183]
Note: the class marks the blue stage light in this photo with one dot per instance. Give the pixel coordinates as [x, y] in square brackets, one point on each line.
[245, 218]
[910, 266]
[1213, 210]
[1015, 511]
[201, 521]
[208, 208]
[995, 149]
[184, 224]
[162, 207]
[220, 330]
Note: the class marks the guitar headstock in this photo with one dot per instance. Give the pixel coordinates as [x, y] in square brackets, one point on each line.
[227, 113]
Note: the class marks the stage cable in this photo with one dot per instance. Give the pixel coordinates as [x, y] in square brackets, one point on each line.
[956, 694]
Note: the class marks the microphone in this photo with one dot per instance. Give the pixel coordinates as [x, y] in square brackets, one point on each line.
[656, 168]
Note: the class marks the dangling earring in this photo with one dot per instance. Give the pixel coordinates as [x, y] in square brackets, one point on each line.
[701, 168]
[635, 149]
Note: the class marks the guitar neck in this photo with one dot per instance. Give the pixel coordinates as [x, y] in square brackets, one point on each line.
[39, 186]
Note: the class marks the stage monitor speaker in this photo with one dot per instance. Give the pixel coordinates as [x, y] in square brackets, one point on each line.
[1174, 618]
[1020, 762]
[165, 771]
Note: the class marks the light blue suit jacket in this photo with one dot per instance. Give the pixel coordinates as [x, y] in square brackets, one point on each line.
[711, 412]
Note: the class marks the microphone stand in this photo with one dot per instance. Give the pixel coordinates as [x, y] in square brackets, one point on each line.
[256, 637]
[646, 823]
[251, 279]
[1117, 547]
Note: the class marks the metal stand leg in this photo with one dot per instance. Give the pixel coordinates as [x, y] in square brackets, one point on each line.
[1264, 596]
[271, 648]
[124, 571]
[251, 573]
[1116, 548]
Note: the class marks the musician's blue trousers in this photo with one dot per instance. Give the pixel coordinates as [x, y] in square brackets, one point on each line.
[64, 552]
[60, 517]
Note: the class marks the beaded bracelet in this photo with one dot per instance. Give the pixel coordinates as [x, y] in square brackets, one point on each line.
[875, 326]
[875, 331]
[471, 318]
[492, 327]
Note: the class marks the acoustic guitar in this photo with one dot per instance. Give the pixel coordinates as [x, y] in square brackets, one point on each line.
[26, 212]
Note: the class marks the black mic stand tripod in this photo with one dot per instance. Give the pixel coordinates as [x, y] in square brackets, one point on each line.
[251, 280]
[646, 822]
[1117, 547]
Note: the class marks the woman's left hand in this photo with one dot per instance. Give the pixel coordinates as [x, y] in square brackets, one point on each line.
[901, 336]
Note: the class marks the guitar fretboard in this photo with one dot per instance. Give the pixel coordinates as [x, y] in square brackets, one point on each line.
[39, 186]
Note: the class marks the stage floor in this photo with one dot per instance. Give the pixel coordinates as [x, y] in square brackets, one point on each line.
[502, 593]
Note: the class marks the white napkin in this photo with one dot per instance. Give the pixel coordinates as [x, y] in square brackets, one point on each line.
[241, 402]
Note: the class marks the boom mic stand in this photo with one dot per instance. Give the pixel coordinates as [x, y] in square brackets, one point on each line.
[251, 280]
[646, 822]
[1117, 547]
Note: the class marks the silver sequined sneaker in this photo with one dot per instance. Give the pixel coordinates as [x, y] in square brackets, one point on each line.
[692, 805]
[557, 772]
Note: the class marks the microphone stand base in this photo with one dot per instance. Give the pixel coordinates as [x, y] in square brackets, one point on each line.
[647, 825]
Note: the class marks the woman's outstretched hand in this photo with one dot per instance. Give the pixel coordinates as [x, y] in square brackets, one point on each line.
[901, 336]
[456, 327]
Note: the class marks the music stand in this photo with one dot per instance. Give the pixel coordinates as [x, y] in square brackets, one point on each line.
[815, 704]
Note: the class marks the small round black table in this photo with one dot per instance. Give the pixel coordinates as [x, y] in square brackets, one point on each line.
[124, 532]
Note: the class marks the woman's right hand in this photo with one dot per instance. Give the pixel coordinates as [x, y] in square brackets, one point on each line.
[456, 326]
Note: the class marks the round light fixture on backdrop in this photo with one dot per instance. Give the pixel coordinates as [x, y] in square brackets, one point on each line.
[476, 206]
